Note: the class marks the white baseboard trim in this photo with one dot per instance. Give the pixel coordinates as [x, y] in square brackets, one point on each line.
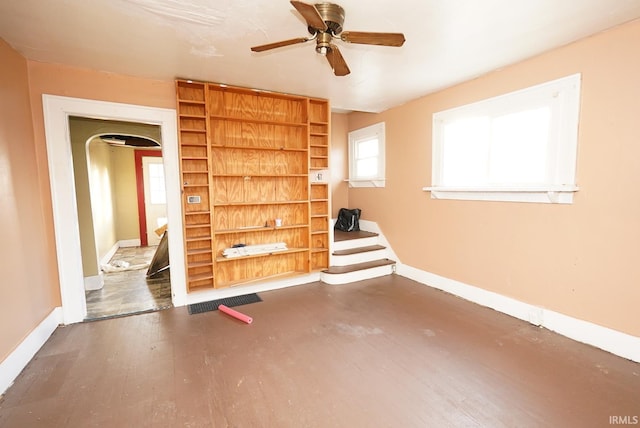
[95, 282]
[129, 243]
[258, 287]
[17, 360]
[104, 260]
[616, 342]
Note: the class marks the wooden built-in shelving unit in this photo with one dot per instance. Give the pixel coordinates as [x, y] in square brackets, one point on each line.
[319, 115]
[246, 158]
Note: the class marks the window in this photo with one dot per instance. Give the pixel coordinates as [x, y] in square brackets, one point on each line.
[158, 194]
[517, 147]
[366, 156]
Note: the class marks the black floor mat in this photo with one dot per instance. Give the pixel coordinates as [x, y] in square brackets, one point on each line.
[198, 308]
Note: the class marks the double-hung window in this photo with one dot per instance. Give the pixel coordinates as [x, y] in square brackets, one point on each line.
[516, 147]
[366, 156]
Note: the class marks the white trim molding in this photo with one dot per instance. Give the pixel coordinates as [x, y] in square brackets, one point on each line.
[369, 134]
[616, 342]
[520, 146]
[57, 110]
[17, 360]
[258, 287]
[125, 243]
[551, 194]
[95, 282]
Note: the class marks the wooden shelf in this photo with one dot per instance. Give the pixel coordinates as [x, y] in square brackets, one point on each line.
[201, 264]
[245, 159]
[183, 101]
[272, 149]
[239, 204]
[200, 277]
[221, 259]
[258, 229]
[251, 175]
[319, 134]
[258, 121]
[281, 275]
[197, 251]
[198, 238]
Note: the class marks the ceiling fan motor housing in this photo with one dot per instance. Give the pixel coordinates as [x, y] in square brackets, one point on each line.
[332, 15]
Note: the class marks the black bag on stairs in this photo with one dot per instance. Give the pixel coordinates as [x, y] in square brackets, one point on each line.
[348, 220]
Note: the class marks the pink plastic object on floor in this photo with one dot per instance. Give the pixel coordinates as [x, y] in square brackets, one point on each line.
[239, 315]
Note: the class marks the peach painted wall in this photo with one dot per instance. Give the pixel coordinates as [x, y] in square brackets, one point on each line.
[55, 79]
[28, 291]
[338, 165]
[581, 260]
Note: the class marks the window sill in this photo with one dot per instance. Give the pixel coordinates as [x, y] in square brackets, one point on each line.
[374, 182]
[548, 194]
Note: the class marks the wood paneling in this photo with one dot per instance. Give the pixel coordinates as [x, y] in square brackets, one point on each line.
[246, 155]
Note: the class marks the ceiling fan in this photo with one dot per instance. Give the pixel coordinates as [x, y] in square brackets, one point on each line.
[324, 23]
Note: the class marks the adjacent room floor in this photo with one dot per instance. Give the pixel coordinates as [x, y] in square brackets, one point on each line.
[387, 352]
[130, 291]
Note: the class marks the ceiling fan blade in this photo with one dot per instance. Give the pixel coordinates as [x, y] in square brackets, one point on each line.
[283, 43]
[381, 39]
[337, 62]
[310, 14]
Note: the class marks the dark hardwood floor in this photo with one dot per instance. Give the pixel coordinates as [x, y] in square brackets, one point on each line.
[387, 352]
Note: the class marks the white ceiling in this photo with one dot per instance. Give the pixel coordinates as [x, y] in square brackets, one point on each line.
[448, 41]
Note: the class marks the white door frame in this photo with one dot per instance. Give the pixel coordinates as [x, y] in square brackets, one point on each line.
[57, 111]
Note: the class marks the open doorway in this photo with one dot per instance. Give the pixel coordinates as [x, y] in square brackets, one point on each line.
[121, 207]
[57, 111]
[152, 196]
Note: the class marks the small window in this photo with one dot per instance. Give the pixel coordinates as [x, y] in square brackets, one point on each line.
[158, 194]
[517, 147]
[366, 156]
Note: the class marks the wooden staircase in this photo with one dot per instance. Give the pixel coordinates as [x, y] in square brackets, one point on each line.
[357, 256]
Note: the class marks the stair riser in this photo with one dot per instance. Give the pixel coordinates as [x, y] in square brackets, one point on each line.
[337, 279]
[358, 258]
[354, 243]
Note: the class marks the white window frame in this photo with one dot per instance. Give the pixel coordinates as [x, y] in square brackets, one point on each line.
[559, 185]
[373, 131]
[157, 191]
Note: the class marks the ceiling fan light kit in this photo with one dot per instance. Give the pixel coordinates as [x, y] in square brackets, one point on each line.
[324, 22]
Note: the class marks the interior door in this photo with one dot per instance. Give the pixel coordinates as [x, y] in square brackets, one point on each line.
[155, 197]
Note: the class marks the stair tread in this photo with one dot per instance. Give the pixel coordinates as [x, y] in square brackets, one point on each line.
[358, 266]
[339, 235]
[358, 250]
